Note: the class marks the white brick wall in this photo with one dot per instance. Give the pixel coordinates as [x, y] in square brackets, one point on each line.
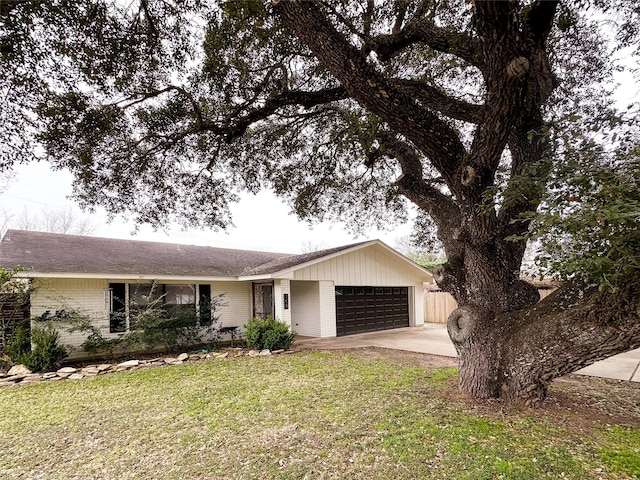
[305, 308]
[280, 288]
[416, 312]
[237, 296]
[86, 296]
[327, 309]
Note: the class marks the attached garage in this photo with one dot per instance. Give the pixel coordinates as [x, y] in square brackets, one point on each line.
[367, 287]
[370, 309]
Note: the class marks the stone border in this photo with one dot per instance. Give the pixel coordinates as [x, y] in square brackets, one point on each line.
[20, 375]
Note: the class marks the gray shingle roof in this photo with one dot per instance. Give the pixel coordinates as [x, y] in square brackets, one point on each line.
[58, 253]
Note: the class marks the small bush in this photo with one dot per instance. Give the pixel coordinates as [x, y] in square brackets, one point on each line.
[270, 333]
[19, 344]
[47, 354]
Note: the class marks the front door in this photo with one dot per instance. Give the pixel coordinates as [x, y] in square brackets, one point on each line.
[263, 300]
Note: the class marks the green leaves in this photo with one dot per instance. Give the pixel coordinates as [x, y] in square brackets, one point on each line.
[589, 225]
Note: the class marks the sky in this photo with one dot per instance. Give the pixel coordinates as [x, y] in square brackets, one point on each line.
[262, 222]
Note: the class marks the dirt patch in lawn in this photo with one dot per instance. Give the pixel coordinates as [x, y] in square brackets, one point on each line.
[580, 401]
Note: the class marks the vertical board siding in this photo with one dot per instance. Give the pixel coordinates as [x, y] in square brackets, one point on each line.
[438, 305]
[305, 308]
[545, 292]
[369, 267]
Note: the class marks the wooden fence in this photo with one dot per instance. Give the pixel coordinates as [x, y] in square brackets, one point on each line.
[439, 304]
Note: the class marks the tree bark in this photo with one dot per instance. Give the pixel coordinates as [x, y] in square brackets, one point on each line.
[515, 355]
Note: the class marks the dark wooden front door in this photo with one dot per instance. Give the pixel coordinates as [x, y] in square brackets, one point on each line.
[370, 309]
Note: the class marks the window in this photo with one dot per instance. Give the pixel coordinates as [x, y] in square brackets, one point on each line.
[175, 300]
[179, 299]
[117, 308]
[205, 304]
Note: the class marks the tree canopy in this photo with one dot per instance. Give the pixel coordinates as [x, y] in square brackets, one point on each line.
[168, 110]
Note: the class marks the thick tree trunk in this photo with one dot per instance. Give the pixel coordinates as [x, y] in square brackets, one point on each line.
[515, 355]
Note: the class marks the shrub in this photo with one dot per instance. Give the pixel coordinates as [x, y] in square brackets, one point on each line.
[19, 344]
[153, 326]
[46, 354]
[270, 333]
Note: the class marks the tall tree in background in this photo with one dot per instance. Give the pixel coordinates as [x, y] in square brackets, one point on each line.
[470, 111]
[54, 221]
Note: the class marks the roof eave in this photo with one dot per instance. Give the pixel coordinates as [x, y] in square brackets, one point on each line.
[123, 276]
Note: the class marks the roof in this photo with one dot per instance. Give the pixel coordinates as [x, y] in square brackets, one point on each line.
[61, 253]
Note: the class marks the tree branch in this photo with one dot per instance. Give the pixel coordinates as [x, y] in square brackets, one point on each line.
[440, 207]
[288, 98]
[364, 83]
[586, 326]
[540, 19]
[526, 181]
[437, 100]
[420, 30]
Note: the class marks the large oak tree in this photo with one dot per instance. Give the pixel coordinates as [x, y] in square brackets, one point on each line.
[478, 114]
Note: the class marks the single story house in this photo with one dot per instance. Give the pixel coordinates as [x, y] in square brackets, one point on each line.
[356, 288]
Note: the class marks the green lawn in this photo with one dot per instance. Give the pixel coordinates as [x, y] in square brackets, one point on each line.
[308, 415]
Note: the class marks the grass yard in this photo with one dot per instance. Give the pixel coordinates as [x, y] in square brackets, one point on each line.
[359, 414]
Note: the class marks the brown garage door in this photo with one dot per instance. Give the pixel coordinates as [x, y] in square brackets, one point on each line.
[370, 309]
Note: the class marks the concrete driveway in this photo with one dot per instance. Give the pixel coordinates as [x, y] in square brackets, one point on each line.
[433, 339]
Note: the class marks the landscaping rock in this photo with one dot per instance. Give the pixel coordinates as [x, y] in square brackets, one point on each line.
[18, 370]
[276, 352]
[76, 376]
[182, 357]
[68, 370]
[170, 360]
[63, 374]
[49, 375]
[33, 378]
[14, 378]
[90, 370]
[104, 367]
[265, 353]
[128, 364]
[222, 355]
[253, 353]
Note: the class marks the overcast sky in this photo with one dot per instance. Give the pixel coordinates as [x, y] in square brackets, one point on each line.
[262, 222]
